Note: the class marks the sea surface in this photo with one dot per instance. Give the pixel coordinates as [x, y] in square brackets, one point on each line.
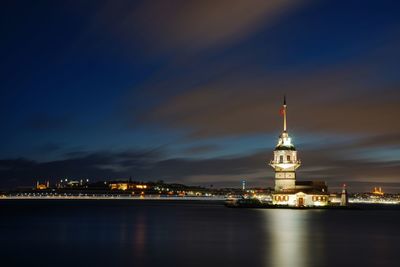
[192, 233]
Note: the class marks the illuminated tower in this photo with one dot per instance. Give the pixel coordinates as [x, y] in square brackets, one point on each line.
[285, 160]
[344, 199]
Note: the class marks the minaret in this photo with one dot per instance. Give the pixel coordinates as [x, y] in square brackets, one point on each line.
[285, 160]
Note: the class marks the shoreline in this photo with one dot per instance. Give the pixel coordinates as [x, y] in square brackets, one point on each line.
[111, 198]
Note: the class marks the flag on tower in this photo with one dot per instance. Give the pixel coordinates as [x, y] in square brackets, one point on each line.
[282, 111]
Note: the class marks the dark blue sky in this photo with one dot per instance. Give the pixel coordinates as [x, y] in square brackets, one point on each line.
[189, 91]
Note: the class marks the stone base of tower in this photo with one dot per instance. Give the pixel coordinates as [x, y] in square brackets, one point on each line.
[285, 180]
[282, 185]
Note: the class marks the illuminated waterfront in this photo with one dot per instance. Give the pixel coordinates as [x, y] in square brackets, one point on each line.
[109, 197]
[357, 198]
[192, 233]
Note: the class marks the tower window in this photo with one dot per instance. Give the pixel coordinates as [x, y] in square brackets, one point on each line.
[288, 157]
[281, 159]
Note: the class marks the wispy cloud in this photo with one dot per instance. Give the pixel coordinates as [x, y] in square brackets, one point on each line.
[190, 25]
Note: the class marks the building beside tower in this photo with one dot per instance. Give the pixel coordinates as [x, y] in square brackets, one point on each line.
[287, 190]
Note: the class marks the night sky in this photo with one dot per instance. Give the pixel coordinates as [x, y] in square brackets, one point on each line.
[190, 91]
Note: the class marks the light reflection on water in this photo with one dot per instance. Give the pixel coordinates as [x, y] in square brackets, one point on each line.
[294, 240]
[193, 234]
[289, 235]
[140, 237]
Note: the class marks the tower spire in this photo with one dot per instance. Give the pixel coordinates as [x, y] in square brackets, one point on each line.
[284, 113]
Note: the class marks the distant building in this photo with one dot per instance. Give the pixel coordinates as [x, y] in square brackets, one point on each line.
[119, 186]
[42, 186]
[65, 183]
[378, 191]
[288, 191]
[126, 186]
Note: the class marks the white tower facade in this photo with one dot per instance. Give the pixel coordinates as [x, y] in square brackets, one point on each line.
[285, 160]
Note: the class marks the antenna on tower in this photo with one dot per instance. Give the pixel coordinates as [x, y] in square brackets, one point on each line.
[284, 113]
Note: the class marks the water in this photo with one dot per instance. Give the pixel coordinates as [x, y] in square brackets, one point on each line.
[170, 233]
